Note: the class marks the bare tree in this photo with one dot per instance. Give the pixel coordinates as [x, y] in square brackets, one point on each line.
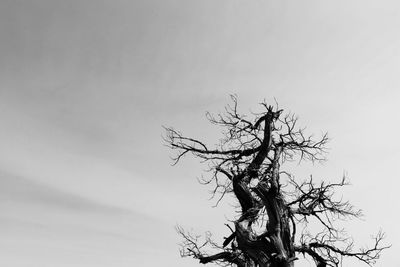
[275, 209]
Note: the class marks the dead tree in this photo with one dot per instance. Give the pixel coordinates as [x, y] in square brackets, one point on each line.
[275, 209]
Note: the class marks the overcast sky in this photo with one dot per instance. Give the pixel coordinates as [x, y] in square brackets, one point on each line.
[86, 85]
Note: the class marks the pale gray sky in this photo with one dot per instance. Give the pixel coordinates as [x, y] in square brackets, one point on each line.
[85, 86]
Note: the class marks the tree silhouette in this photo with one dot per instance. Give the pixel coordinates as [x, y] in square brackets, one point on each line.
[275, 209]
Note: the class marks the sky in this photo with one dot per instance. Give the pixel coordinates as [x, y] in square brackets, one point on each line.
[86, 86]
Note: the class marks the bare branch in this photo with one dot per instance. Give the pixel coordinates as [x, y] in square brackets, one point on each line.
[324, 251]
[193, 246]
[319, 201]
[273, 217]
